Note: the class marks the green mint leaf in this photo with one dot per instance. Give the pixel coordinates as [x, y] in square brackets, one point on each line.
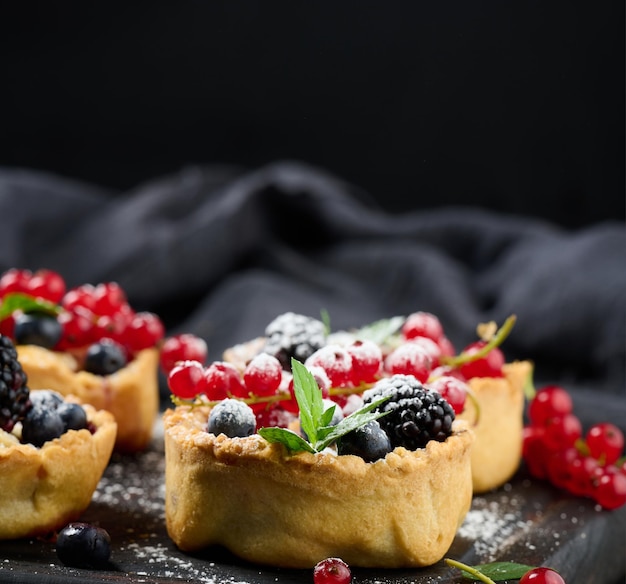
[309, 398]
[355, 420]
[19, 301]
[327, 416]
[382, 330]
[493, 572]
[288, 438]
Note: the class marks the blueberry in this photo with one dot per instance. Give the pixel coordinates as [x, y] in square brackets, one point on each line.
[41, 425]
[82, 545]
[46, 399]
[370, 442]
[73, 415]
[37, 329]
[233, 418]
[104, 358]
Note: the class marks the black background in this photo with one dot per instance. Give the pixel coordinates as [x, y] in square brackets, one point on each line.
[514, 106]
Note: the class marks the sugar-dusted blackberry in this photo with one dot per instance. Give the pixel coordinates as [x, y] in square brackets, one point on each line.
[14, 393]
[294, 335]
[416, 414]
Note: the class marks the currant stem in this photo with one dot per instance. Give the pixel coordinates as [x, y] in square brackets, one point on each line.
[495, 341]
[473, 571]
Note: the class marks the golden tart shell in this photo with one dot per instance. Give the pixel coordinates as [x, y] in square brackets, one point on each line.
[498, 425]
[130, 394]
[42, 489]
[271, 508]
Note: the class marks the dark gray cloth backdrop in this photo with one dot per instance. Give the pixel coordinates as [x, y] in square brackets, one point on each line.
[220, 253]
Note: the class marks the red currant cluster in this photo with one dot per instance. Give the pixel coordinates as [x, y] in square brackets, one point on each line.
[86, 314]
[420, 349]
[555, 449]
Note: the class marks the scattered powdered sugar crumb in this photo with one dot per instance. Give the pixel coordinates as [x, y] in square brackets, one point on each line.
[165, 565]
[490, 530]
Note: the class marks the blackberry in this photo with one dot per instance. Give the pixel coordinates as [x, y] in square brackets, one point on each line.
[14, 393]
[294, 335]
[417, 414]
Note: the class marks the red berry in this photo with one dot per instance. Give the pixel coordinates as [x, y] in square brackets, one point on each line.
[14, 280]
[605, 442]
[534, 451]
[82, 296]
[145, 330]
[182, 347]
[263, 374]
[549, 401]
[78, 328]
[184, 379]
[584, 476]
[562, 431]
[453, 390]
[332, 571]
[222, 380]
[610, 492]
[422, 324]
[559, 467]
[274, 416]
[446, 347]
[335, 361]
[367, 361]
[541, 576]
[488, 366]
[409, 359]
[109, 298]
[48, 285]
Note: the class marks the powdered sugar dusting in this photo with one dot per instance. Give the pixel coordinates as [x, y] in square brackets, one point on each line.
[490, 529]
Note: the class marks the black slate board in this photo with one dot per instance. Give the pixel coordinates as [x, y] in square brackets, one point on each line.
[525, 521]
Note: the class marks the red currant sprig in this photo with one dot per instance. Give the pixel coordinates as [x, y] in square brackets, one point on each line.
[555, 449]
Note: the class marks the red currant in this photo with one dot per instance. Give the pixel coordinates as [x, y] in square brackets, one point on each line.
[78, 326]
[48, 285]
[549, 401]
[332, 571]
[446, 347]
[184, 379]
[335, 361]
[422, 324]
[82, 296]
[409, 359]
[562, 431]
[610, 491]
[263, 374]
[453, 390]
[488, 366]
[109, 298]
[274, 416]
[144, 330]
[534, 452]
[367, 361]
[222, 380]
[541, 576]
[14, 280]
[182, 347]
[605, 442]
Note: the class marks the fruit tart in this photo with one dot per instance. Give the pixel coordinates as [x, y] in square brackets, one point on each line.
[321, 484]
[482, 388]
[53, 451]
[87, 342]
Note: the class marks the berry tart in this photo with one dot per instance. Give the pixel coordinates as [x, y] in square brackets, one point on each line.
[87, 342]
[385, 486]
[481, 387]
[53, 451]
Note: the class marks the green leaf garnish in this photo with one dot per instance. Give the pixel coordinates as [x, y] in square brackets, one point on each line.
[493, 572]
[314, 419]
[381, 331]
[19, 301]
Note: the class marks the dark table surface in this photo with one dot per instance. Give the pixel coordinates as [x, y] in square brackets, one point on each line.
[525, 521]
